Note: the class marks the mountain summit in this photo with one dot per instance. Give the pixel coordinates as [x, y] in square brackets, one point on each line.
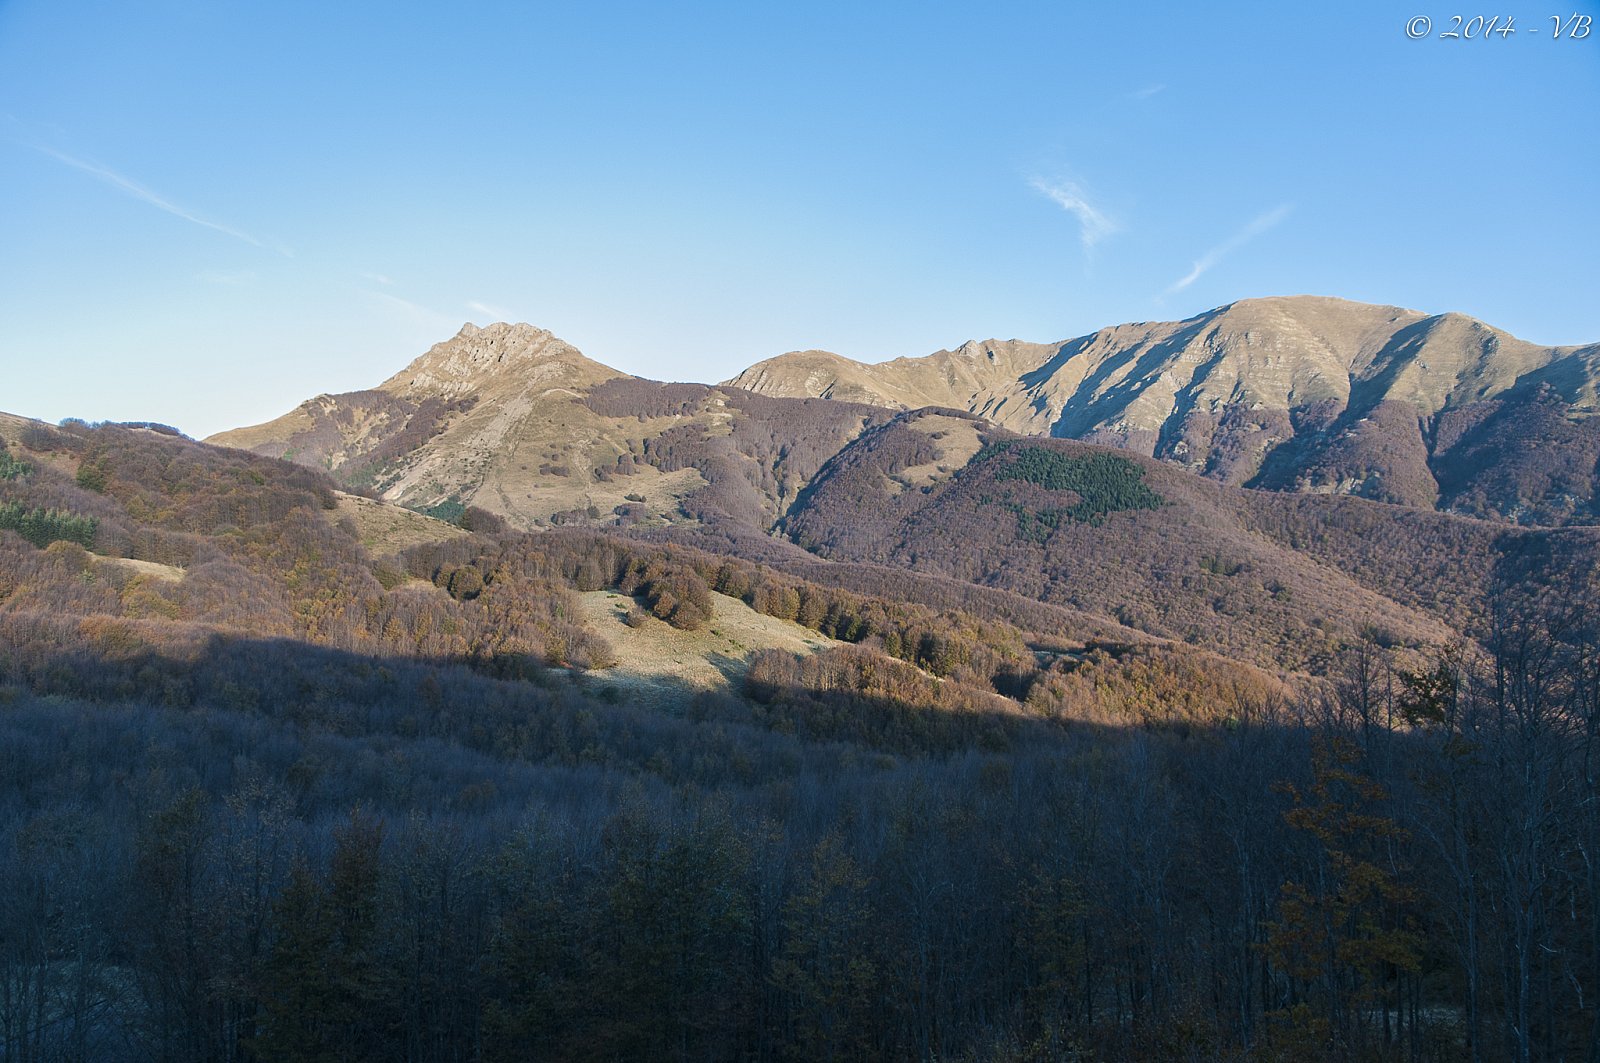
[495, 359]
[1298, 393]
[1284, 353]
[514, 420]
[428, 432]
[1301, 393]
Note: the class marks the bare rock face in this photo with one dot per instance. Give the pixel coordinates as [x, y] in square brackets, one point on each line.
[495, 359]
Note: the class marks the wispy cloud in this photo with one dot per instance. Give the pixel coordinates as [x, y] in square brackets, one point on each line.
[140, 192]
[378, 278]
[1257, 226]
[1146, 92]
[1093, 224]
[493, 313]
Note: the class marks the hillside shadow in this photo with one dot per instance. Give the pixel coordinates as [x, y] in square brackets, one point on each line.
[1139, 363]
[507, 709]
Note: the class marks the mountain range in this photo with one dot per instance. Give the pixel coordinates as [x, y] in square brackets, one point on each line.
[1021, 702]
[1270, 479]
[1302, 393]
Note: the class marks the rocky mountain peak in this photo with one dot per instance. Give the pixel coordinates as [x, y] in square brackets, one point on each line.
[494, 358]
[1299, 393]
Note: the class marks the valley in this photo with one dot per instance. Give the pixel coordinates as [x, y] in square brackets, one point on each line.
[1130, 688]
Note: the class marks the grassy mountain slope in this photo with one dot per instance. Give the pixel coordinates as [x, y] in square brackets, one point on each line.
[514, 421]
[1301, 393]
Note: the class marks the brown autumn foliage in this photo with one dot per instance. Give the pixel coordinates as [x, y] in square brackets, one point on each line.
[290, 800]
[1278, 579]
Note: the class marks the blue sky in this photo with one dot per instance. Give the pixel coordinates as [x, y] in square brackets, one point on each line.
[211, 211]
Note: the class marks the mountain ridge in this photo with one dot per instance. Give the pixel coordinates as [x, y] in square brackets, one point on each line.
[1280, 392]
[1293, 393]
[1322, 324]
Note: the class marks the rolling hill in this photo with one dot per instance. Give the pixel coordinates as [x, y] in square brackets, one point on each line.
[1263, 576]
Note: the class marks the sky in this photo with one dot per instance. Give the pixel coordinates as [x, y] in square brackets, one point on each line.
[211, 211]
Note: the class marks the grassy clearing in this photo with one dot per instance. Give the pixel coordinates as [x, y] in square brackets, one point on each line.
[388, 529]
[661, 665]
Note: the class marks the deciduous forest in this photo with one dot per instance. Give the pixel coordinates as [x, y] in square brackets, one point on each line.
[271, 792]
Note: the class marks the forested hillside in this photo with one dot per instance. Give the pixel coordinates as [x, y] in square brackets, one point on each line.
[292, 775]
[1264, 576]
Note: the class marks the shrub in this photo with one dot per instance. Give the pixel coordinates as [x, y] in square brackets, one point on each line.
[480, 521]
[466, 583]
[92, 478]
[674, 591]
[449, 511]
[41, 438]
[12, 468]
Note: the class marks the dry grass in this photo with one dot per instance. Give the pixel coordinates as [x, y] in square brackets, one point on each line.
[266, 438]
[541, 496]
[153, 569]
[11, 426]
[387, 529]
[958, 441]
[660, 665]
